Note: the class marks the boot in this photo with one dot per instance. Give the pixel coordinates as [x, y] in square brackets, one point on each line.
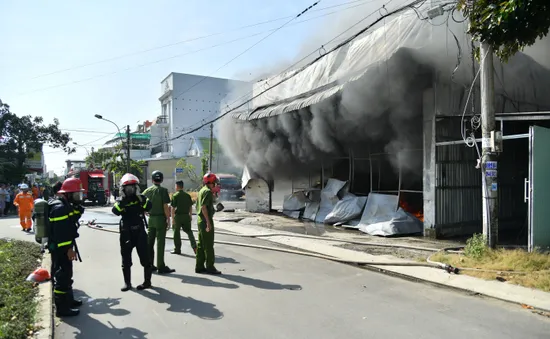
[147, 273]
[63, 306]
[166, 270]
[74, 302]
[212, 270]
[127, 279]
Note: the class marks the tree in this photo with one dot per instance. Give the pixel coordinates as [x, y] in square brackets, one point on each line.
[189, 171]
[115, 161]
[507, 25]
[21, 136]
[100, 158]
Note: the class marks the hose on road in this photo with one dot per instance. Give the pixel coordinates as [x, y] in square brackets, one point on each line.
[94, 225]
[305, 236]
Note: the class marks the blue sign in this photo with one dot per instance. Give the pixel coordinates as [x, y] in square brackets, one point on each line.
[179, 170]
[491, 173]
[491, 165]
[494, 186]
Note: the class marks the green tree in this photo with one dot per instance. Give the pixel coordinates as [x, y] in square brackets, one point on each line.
[115, 162]
[507, 25]
[23, 134]
[189, 171]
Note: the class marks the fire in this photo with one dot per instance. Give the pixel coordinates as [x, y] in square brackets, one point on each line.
[408, 208]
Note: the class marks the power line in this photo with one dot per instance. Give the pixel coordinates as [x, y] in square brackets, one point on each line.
[346, 41]
[186, 41]
[189, 52]
[83, 131]
[91, 143]
[249, 48]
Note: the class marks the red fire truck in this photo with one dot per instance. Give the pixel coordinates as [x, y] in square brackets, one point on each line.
[96, 184]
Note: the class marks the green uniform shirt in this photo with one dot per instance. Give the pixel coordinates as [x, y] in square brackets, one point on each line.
[159, 197]
[205, 198]
[182, 202]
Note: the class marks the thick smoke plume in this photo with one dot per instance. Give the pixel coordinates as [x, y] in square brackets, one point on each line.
[381, 112]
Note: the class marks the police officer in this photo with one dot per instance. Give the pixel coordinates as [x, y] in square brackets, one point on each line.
[182, 213]
[159, 221]
[205, 215]
[131, 206]
[64, 215]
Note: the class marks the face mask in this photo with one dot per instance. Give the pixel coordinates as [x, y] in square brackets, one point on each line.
[129, 190]
[76, 197]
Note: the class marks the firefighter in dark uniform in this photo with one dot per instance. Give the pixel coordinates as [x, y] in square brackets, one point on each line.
[64, 216]
[131, 206]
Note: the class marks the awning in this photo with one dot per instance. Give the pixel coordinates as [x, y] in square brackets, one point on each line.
[96, 175]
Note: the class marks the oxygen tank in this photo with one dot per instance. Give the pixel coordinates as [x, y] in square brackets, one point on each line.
[41, 222]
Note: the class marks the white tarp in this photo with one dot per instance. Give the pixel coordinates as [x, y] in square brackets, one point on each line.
[383, 217]
[430, 44]
[330, 197]
[401, 223]
[349, 208]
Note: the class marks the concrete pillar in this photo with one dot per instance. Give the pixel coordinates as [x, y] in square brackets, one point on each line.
[429, 168]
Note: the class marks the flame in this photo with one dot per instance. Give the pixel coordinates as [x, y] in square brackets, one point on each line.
[408, 208]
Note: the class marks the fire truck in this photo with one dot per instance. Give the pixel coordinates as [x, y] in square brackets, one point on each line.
[96, 184]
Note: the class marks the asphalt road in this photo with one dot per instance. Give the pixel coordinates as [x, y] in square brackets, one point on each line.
[265, 294]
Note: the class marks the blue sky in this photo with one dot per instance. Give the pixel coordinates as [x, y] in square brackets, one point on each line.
[44, 37]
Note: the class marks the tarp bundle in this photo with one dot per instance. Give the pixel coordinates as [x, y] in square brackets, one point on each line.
[377, 214]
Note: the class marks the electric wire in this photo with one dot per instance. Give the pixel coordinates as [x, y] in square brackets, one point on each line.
[301, 69]
[190, 40]
[185, 53]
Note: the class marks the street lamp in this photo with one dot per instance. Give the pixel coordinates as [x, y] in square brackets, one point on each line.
[100, 117]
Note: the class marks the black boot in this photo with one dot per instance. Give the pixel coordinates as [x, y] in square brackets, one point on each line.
[212, 270]
[147, 272]
[63, 306]
[74, 302]
[127, 279]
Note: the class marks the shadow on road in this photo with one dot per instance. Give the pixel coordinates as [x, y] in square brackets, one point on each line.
[186, 279]
[263, 284]
[219, 259]
[181, 304]
[92, 328]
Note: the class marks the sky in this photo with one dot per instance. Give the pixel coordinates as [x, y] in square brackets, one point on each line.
[73, 59]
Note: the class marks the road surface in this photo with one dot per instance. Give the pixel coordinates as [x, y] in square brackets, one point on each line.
[265, 294]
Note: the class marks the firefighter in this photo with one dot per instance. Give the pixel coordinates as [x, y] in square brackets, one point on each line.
[131, 206]
[205, 215]
[159, 221]
[25, 203]
[182, 213]
[65, 211]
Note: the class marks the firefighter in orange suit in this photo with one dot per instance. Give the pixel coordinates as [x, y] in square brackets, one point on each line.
[25, 203]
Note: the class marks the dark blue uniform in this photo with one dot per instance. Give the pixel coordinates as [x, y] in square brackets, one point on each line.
[133, 233]
[63, 230]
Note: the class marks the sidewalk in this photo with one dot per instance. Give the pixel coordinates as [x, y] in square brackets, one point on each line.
[495, 289]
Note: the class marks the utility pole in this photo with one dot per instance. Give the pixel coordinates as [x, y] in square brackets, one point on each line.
[128, 148]
[211, 147]
[489, 168]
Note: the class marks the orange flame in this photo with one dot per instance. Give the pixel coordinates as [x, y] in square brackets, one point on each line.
[408, 208]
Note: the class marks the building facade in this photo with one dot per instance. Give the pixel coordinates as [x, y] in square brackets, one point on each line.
[187, 102]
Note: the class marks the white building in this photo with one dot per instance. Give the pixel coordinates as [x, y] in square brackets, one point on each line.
[187, 101]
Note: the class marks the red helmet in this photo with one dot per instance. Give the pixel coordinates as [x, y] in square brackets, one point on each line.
[129, 179]
[71, 185]
[209, 178]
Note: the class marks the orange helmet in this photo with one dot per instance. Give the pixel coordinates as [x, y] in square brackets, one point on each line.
[209, 178]
[71, 185]
[39, 275]
[129, 179]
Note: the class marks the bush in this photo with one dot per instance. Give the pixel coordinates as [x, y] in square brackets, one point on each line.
[17, 296]
[476, 247]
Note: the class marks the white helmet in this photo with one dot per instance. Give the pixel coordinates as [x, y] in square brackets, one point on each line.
[24, 187]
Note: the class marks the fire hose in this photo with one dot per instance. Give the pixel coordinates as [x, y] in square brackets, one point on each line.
[431, 264]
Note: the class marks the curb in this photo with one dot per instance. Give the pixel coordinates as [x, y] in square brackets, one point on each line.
[45, 320]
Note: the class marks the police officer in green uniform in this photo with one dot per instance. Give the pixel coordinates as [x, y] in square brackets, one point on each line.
[205, 215]
[182, 213]
[159, 220]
